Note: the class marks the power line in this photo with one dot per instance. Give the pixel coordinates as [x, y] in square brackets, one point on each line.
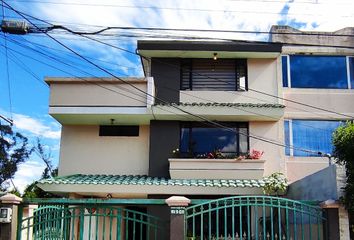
[7, 65]
[261, 92]
[131, 52]
[172, 8]
[107, 28]
[82, 78]
[176, 107]
[23, 66]
[163, 86]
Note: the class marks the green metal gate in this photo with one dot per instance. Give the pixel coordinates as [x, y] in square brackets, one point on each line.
[88, 222]
[254, 218]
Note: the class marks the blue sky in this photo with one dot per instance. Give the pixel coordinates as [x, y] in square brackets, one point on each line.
[35, 56]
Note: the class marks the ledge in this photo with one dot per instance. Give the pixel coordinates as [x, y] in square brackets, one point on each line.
[191, 168]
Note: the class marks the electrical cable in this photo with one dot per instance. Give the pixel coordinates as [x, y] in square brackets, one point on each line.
[174, 106]
[165, 87]
[260, 92]
[106, 28]
[7, 65]
[173, 8]
[130, 51]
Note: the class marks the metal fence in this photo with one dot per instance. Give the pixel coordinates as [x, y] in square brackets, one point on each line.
[89, 222]
[254, 217]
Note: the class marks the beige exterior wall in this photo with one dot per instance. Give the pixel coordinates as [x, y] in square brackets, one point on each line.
[262, 76]
[83, 151]
[274, 155]
[336, 100]
[82, 93]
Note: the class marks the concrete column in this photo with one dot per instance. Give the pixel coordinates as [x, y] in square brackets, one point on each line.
[8, 229]
[177, 205]
[343, 223]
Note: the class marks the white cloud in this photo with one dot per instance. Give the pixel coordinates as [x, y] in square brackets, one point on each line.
[27, 173]
[35, 127]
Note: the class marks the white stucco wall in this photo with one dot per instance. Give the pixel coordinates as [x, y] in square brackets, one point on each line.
[84, 151]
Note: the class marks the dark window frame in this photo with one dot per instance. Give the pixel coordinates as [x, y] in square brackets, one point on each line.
[236, 125]
[186, 64]
[119, 131]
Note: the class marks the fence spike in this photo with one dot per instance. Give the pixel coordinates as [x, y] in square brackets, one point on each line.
[268, 235]
[276, 236]
[284, 238]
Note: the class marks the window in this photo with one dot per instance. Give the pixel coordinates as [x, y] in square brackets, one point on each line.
[316, 71]
[284, 61]
[198, 139]
[214, 75]
[310, 135]
[119, 131]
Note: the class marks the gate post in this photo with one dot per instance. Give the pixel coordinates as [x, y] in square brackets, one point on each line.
[9, 216]
[177, 226]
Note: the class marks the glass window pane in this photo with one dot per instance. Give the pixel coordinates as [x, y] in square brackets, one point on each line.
[243, 136]
[287, 137]
[205, 140]
[184, 143]
[318, 72]
[199, 139]
[313, 135]
[284, 62]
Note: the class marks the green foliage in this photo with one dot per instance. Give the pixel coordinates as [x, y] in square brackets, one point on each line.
[14, 150]
[343, 141]
[275, 184]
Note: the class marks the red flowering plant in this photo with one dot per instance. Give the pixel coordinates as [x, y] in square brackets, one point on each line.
[255, 154]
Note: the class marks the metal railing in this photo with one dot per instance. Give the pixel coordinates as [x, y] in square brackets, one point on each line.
[254, 217]
[89, 222]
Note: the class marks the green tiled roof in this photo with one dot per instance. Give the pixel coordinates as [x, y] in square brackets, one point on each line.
[81, 179]
[214, 104]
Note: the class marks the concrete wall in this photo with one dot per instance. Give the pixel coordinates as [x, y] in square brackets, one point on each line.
[84, 151]
[99, 93]
[262, 76]
[319, 186]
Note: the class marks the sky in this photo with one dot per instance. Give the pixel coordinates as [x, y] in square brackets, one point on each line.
[30, 58]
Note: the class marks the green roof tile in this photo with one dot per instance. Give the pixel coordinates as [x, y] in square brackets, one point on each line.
[82, 179]
[232, 105]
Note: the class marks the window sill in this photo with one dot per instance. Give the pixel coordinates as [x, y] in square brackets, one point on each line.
[191, 168]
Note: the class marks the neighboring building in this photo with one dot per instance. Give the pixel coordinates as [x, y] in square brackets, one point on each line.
[119, 142]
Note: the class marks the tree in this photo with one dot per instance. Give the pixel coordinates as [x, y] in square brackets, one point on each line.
[32, 191]
[343, 141]
[14, 150]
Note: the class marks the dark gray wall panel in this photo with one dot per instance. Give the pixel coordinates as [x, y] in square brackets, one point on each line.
[166, 73]
[164, 138]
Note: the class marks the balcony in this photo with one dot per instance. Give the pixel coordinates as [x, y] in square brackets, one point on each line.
[187, 168]
[95, 101]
